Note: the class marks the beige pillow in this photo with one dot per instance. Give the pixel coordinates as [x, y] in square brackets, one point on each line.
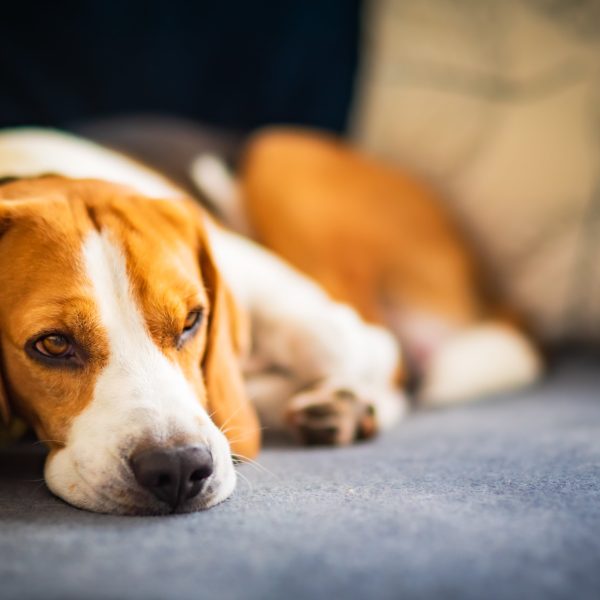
[498, 104]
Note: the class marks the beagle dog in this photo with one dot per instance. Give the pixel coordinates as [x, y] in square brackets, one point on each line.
[375, 238]
[139, 338]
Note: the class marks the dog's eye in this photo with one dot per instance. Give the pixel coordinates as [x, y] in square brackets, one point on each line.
[190, 326]
[54, 346]
[192, 321]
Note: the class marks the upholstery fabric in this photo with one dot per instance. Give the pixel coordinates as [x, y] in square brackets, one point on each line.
[496, 103]
[498, 499]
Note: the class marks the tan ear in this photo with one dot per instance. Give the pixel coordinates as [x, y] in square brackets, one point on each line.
[4, 407]
[228, 404]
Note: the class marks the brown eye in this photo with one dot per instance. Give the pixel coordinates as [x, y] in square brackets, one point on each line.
[191, 321]
[54, 346]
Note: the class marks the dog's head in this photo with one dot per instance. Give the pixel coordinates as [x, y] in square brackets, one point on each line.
[118, 345]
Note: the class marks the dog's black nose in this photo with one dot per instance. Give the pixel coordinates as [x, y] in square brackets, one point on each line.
[173, 475]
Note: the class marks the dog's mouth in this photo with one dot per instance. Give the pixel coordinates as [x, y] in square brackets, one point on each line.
[132, 501]
[165, 482]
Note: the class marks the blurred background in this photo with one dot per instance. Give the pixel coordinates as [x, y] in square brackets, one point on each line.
[494, 102]
[232, 64]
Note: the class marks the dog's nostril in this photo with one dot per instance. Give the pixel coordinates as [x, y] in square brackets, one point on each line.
[163, 480]
[173, 475]
[201, 474]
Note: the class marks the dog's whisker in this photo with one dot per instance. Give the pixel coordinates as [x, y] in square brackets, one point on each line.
[236, 428]
[243, 428]
[226, 431]
[236, 440]
[38, 442]
[253, 463]
[233, 414]
[257, 465]
[41, 483]
[246, 480]
[242, 438]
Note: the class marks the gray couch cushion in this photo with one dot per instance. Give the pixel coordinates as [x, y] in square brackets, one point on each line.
[499, 499]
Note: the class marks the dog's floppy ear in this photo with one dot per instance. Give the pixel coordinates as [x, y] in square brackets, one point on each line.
[9, 210]
[4, 407]
[228, 404]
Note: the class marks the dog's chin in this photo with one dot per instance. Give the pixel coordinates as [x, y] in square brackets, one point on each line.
[134, 503]
[115, 496]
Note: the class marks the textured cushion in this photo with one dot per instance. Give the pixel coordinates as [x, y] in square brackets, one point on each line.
[497, 103]
[492, 500]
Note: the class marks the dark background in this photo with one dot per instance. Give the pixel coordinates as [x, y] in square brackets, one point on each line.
[237, 64]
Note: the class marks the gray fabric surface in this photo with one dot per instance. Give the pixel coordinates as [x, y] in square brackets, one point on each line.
[499, 499]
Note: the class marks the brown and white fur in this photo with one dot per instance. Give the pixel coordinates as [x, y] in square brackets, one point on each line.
[375, 238]
[115, 259]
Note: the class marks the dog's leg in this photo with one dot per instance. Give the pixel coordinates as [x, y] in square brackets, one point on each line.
[486, 358]
[338, 371]
[460, 362]
[268, 390]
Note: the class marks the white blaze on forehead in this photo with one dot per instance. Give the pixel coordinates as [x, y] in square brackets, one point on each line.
[138, 377]
[107, 271]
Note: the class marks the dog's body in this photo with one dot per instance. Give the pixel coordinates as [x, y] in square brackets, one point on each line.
[134, 329]
[380, 241]
[123, 348]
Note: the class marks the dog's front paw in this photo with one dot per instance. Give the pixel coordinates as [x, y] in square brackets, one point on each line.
[330, 416]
